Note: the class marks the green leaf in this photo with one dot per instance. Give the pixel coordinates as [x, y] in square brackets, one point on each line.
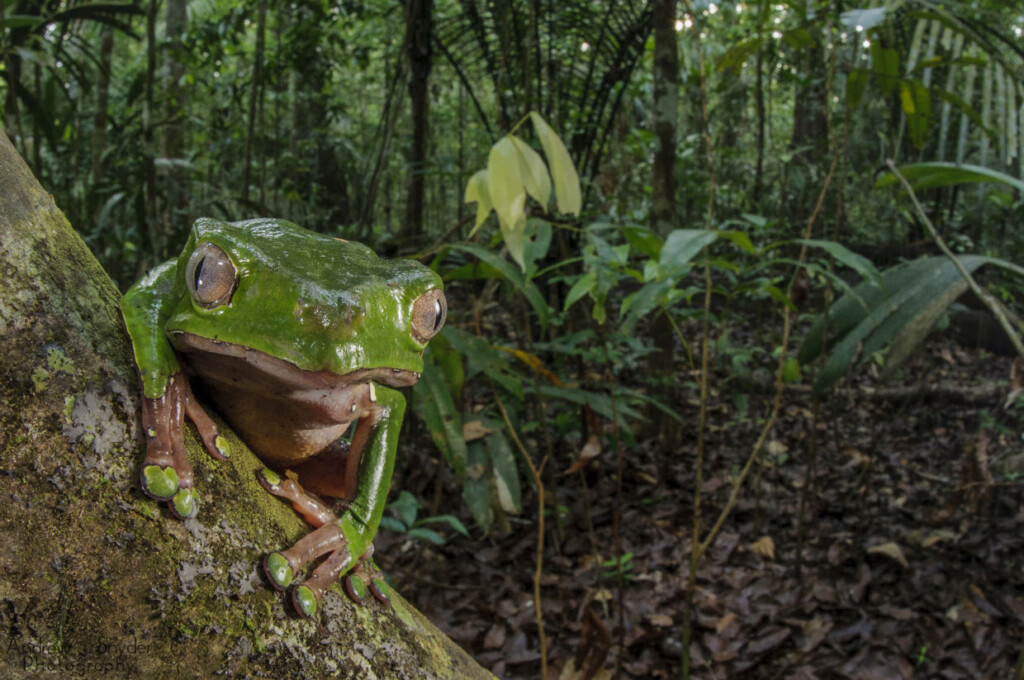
[506, 474]
[512, 275]
[937, 174]
[681, 246]
[885, 62]
[583, 285]
[740, 238]
[791, 370]
[563, 171]
[443, 419]
[476, 190]
[736, 55]
[645, 241]
[425, 534]
[451, 520]
[896, 315]
[917, 106]
[407, 507]
[844, 255]
[856, 83]
[534, 172]
[476, 489]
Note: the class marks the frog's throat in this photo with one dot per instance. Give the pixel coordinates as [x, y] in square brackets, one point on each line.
[204, 350]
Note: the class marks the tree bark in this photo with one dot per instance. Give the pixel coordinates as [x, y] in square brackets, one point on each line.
[663, 178]
[419, 29]
[97, 580]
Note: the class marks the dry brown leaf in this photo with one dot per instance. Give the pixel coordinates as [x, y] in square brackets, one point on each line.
[890, 550]
[661, 620]
[474, 429]
[590, 451]
[724, 622]
[764, 546]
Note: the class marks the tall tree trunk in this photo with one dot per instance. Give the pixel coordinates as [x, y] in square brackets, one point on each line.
[99, 580]
[663, 179]
[176, 216]
[255, 96]
[419, 31]
[157, 238]
[99, 119]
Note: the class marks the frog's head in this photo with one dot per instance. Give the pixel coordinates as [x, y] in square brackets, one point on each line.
[316, 302]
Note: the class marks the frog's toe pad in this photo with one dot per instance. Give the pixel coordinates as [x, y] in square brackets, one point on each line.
[355, 587]
[380, 590]
[158, 482]
[185, 504]
[270, 480]
[304, 600]
[278, 570]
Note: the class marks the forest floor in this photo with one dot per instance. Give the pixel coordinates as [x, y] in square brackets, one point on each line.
[912, 565]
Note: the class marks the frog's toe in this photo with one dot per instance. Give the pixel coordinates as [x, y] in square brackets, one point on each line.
[305, 600]
[159, 482]
[278, 570]
[269, 480]
[380, 590]
[355, 587]
[185, 504]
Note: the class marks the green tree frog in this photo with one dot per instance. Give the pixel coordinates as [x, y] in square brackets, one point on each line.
[295, 336]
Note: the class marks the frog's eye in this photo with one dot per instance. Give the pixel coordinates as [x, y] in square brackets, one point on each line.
[428, 314]
[210, 276]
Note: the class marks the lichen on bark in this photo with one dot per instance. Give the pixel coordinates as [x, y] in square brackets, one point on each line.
[96, 580]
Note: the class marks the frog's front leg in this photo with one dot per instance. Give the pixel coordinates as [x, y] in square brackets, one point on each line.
[347, 541]
[166, 473]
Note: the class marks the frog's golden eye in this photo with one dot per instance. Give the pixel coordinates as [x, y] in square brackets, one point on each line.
[210, 276]
[428, 313]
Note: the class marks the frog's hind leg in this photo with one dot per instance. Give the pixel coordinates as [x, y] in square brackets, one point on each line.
[312, 509]
[281, 567]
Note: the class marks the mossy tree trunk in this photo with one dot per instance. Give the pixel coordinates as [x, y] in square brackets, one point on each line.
[96, 580]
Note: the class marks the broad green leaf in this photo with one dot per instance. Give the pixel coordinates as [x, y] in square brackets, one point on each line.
[514, 233]
[423, 533]
[476, 490]
[534, 173]
[896, 315]
[856, 82]
[640, 303]
[936, 174]
[506, 474]
[451, 520]
[563, 171]
[844, 255]
[598, 401]
[681, 246]
[736, 55]
[407, 507]
[443, 419]
[583, 285]
[476, 190]
[885, 62]
[645, 241]
[917, 106]
[513, 276]
[791, 371]
[740, 238]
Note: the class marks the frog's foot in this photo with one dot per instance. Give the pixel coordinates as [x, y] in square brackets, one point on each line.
[312, 509]
[281, 567]
[166, 473]
[366, 576]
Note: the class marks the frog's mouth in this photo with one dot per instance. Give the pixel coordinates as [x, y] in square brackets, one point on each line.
[227, 362]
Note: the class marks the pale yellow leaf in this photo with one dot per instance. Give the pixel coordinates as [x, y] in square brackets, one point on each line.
[724, 622]
[776, 448]
[764, 546]
[476, 190]
[603, 595]
[563, 171]
[534, 173]
[890, 550]
[504, 182]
